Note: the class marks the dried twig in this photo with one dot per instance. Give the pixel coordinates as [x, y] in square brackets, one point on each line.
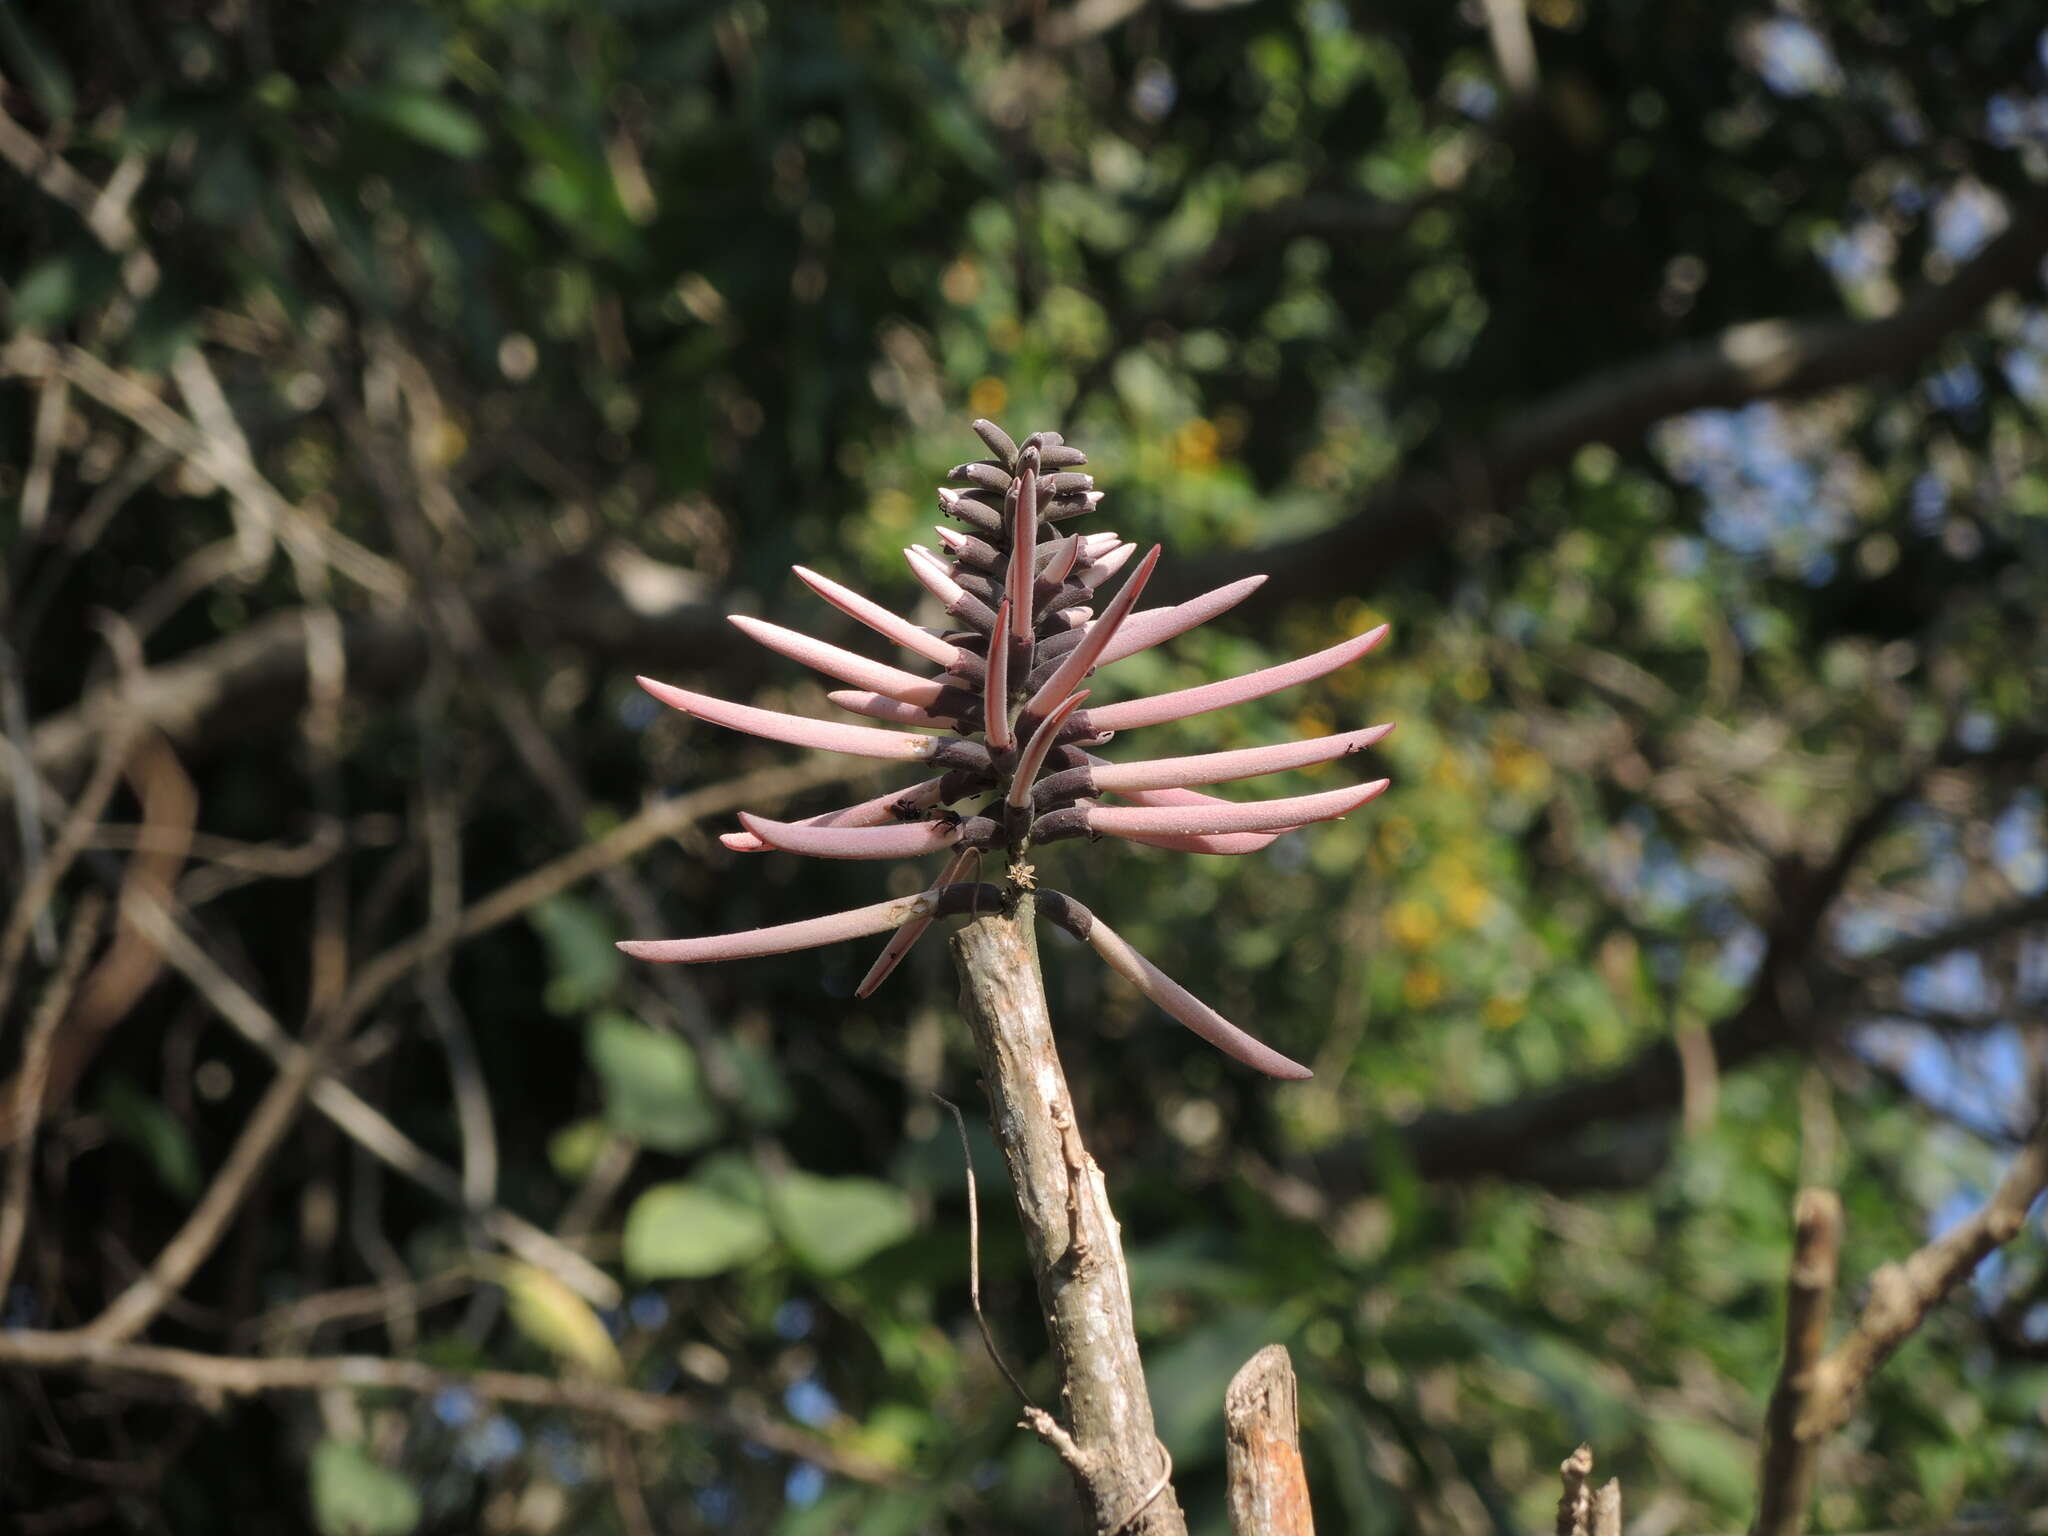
[1790, 1457]
[988, 1337]
[215, 1377]
[1268, 1488]
[28, 1082]
[1902, 1294]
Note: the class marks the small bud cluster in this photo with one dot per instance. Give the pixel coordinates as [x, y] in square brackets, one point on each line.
[1005, 726]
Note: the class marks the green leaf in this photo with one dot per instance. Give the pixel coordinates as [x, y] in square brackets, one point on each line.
[680, 1230]
[560, 1321]
[653, 1090]
[1716, 1463]
[354, 1496]
[161, 1137]
[576, 1147]
[838, 1224]
[586, 967]
[432, 120]
[47, 295]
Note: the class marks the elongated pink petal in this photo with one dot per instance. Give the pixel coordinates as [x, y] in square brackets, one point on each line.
[1179, 705]
[995, 693]
[1189, 1009]
[901, 941]
[1142, 631]
[1228, 816]
[883, 622]
[1023, 531]
[1221, 842]
[1080, 661]
[878, 706]
[904, 840]
[1221, 767]
[784, 937]
[931, 572]
[1107, 566]
[834, 661]
[825, 735]
[878, 812]
[1057, 569]
[1095, 545]
[1032, 758]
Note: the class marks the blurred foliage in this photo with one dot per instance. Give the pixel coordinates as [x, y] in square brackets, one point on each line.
[513, 289]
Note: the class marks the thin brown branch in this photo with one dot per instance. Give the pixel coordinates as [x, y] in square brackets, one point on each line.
[35, 1066]
[1575, 1503]
[213, 1378]
[1764, 359]
[1790, 1457]
[1076, 1253]
[1267, 1486]
[1902, 1294]
[988, 1337]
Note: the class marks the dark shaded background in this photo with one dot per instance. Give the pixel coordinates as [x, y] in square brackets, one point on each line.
[385, 384]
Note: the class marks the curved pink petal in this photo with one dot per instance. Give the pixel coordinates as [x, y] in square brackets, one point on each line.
[1189, 1009]
[878, 812]
[1222, 767]
[1106, 566]
[1221, 842]
[905, 840]
[1060, 559]
[1142, 631]
[1081, 660]
[1228, 816]
[890, 625]
[1179, 705]
[784, 937]
[901, 941]
[880, 707]
[834, 661]
[1033, 756]
[825, 735]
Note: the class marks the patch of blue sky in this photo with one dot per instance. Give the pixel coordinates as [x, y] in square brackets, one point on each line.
[1768, 491]
[1741, 953]
[2017, 845]
[1975, 1080]
[794, 1319]
[1929, 501]
[1791, 57]
[808, 1402]
[1966, 217]
[490, 1444]
[805, 1484]
[1957, 390]
[1954, 983]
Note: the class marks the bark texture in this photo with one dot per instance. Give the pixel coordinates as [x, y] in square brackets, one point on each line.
[1107, 1438]
[1268, 1488]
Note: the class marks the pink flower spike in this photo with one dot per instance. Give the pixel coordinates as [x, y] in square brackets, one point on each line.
[905, 840]
[1033, 756]
[825, 735]
[1142, 631]
[903, 938]
[878, 812]
[1189, 1009]
[833, 661]
[784, 937]
[1081, 660]
[1161, 707]
[1227, 816]
[871, 613]
[1221, 767]
[995, 693]
[879, 706]
[1107, 566]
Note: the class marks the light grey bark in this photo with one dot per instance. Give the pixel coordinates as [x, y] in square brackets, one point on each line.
[1107, 1439]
